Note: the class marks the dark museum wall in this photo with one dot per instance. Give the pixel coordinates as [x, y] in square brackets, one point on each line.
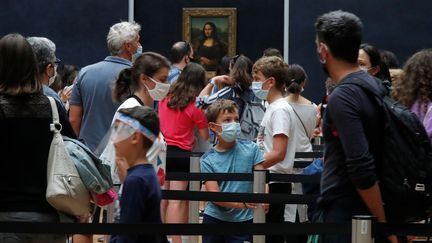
[79, 27]
[401, 26]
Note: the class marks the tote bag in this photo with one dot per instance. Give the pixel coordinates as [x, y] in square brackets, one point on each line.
[65, 189]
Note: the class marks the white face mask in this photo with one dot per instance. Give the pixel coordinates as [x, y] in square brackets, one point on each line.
[258, 90]
[364, 69]
[230, 131]
[159, 91]
[52, 79]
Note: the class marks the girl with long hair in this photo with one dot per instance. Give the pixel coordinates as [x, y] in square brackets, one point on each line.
[178, 118]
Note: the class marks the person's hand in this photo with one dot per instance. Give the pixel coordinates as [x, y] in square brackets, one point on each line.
[66, 94]
[265, 207]
[411, 238]
[205, 61]
[392, 239]
[122, 167]
[223, 79]
[85, 218]
[250, 205]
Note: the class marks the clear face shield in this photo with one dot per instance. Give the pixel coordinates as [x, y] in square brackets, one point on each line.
[124, 126]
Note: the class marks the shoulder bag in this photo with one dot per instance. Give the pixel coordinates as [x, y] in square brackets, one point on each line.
[65, 189]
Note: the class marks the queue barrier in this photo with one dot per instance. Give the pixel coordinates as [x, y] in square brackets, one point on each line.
[363, 228]
[259, 178]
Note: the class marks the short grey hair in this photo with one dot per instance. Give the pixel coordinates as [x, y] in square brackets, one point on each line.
[44, 50]
[121, 33]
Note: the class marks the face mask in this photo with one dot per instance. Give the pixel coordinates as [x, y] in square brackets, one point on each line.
[52, 79]
[258, 91]
[160, 90]
[323, 63]
[137, 53]
[364, 69]
[230, 131]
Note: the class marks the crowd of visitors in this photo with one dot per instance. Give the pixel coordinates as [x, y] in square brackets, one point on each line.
[143, 115]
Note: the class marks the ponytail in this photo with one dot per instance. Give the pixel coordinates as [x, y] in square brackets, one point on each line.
[295, 76]
[122, 85]
[293, 86]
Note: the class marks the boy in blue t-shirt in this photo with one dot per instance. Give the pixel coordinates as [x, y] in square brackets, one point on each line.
[133, 134]
[229, 155]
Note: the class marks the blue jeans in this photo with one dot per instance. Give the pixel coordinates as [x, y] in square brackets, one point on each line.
[224, 238]
[30, 238]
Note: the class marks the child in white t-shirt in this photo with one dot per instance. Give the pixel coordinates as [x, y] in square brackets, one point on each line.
[277, 137]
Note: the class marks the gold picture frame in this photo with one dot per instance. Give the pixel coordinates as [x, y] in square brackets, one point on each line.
[212, 33]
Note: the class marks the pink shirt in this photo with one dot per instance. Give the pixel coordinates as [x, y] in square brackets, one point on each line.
[178, 126]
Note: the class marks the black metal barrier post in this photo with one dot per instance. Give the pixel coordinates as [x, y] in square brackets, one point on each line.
[194, 186]
[259, 182]
[362, 229]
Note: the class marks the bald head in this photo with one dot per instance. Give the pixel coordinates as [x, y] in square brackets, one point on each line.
[179, 51]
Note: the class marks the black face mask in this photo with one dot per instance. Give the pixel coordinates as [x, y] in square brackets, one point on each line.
[323, 64]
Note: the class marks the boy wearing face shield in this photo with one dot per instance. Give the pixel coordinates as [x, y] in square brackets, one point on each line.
[133, 133]
[229, 155]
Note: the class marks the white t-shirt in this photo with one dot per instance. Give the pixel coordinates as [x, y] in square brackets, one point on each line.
[308, 115]
[278, 119]
[156, 154]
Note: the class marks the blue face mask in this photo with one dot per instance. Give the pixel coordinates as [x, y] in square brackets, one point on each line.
[230, 131]
[258, 91]
[137, 53]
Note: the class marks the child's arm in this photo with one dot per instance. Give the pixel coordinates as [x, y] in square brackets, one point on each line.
[280, 144]
[204, 133]
[212, 186]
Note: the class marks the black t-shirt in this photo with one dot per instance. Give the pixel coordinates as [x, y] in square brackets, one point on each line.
[352, 129]
[25, 139]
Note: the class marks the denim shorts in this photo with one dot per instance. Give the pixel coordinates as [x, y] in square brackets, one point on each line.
[30, 238]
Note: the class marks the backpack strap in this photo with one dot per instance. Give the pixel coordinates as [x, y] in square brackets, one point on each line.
[379, 93]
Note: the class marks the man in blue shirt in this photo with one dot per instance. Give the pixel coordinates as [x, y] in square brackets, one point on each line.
[181, 55]
[229, 155]
[91, 105]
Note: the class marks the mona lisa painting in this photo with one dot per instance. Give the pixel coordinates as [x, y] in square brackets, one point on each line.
[212, 34]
